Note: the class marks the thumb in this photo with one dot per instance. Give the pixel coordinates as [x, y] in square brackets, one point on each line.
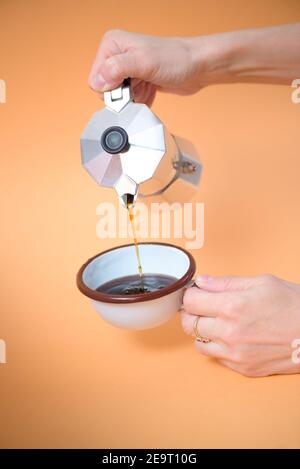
[115, 69]
[218, 284]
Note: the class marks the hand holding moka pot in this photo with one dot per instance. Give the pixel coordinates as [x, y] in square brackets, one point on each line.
[125, 146]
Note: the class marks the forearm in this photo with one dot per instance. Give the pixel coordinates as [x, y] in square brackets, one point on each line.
[266, 55]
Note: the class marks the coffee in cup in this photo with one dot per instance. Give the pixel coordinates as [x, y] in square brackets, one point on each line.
[138, 309]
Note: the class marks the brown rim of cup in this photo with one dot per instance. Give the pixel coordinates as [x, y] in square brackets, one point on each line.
[105, 298]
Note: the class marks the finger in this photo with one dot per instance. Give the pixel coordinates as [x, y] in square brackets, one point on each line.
[232, 365]
[106, 49]
[203, 303]
[205, 326]
[250, 371]
[135, 83]
[211, 349]
[151, 97]
[143, 93]
[220, 284]
[139, 92]
[118, 67]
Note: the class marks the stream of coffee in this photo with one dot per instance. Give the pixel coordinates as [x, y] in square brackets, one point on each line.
[138, 283]
[136, 244]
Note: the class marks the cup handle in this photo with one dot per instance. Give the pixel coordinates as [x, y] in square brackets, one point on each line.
[191, 283]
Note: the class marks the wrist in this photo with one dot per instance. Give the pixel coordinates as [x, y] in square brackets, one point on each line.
[247, 56]
[217, 58]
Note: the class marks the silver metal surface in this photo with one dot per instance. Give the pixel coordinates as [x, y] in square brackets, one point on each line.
[117, 98]
[153, 160]
[125, 185]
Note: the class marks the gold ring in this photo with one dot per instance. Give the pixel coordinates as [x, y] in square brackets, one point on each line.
[199, 337]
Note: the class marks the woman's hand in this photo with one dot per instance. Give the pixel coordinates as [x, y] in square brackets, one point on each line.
[154, 63]
[183, 65]
[252, 322]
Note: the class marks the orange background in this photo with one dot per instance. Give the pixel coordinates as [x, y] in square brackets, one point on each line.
[72, 380]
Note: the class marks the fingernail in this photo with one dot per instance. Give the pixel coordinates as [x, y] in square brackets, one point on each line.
[98, 82]
[203, 280]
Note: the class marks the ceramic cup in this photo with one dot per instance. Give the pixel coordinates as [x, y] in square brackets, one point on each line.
[141, 311]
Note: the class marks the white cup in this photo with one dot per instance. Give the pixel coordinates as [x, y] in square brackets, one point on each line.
[141, 311]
